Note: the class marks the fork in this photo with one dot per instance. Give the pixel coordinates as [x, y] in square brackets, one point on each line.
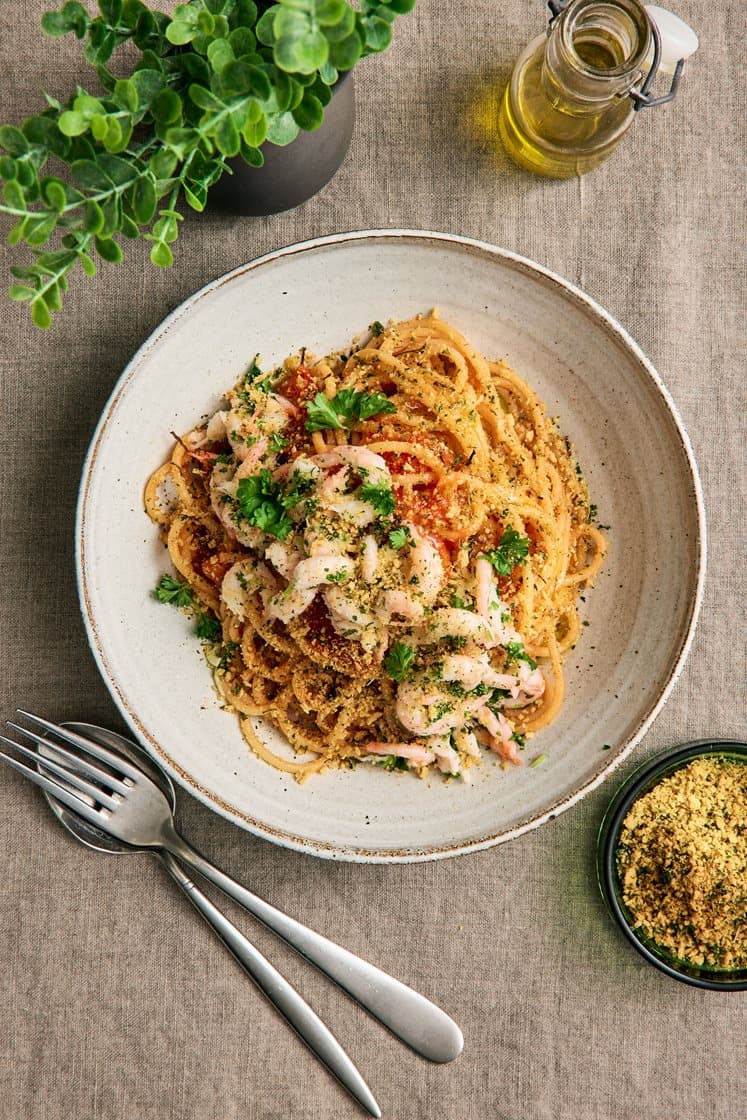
[132, 808]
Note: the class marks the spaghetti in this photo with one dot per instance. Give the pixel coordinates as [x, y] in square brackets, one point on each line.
[388, 542]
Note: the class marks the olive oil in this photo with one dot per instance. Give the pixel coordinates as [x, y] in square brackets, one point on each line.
[566, 107]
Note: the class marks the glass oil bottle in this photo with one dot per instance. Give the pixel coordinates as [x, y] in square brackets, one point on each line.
[575, 90]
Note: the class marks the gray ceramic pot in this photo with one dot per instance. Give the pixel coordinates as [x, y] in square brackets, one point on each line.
[292, 174]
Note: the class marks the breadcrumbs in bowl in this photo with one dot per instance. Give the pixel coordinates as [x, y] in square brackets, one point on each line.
[672, 863]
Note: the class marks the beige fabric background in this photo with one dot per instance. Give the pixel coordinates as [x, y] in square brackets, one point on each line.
[116, 1003]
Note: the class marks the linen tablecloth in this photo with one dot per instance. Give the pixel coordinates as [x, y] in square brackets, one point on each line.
[116, 1002]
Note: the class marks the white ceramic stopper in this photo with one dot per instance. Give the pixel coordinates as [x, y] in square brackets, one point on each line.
[678, 40]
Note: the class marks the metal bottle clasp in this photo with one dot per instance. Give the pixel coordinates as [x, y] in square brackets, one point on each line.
[640, 97]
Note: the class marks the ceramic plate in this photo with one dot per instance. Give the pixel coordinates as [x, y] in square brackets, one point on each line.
[630, 442]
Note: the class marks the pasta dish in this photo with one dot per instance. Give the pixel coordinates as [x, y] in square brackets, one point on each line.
[384, 551]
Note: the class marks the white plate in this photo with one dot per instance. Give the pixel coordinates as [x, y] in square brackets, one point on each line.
[635, 455]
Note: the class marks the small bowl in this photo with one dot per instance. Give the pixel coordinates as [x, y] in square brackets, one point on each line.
[640, 782]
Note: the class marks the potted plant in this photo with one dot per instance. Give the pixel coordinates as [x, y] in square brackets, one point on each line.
[216, 85]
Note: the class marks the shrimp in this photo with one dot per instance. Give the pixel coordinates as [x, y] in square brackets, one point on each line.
[361, 459]
[290, 603]
[500, 732]
[426, 566]
[420, 756]
[241, 581]
[322, 569]
[252, 459]
[369, 558]
[453, 622]
[399, 602]
[283, 558]
[429, 711]
[216, 429]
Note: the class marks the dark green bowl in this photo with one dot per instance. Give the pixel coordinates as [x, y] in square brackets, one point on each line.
[641, 781]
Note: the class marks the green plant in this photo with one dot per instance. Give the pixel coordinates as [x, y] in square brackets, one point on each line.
[215, 80]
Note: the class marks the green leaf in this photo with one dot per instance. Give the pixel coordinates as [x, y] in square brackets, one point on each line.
[108, 249]
[265, 29]
[401, 7]
[302, 55]
[252, 156]
[329, 13]
[310, 113]
[255, 133]
[220, 53]
[166, 107]
[129, 228]
[114, 136]
[120, 171]
[13, 195]
[126, 95]
[345, 54]
[88, 266]
[204, 99]
[93, 217]
[163, 163]
[148, 84]
[240, 78]
[40, 315]
[161, 255]
[328, 74]
[54, 194]
[111, 10]
[281, 129]
[13, 140]
[38, 229]
[53, 297]
[242, 41]
[144, 200]
[227, 137]
[379, 496]
[343, 28]
[99, 125]
[182, 140]
[7, 167]
[19, 293]
[72, 123]
[378, 33]
[89, 175]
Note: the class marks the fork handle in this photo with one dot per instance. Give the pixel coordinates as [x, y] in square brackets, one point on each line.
[294, 1009]
[408, 1015]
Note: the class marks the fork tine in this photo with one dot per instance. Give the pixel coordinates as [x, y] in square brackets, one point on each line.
[87, 745]
[81, 764]
[68, 776]
[93, 816]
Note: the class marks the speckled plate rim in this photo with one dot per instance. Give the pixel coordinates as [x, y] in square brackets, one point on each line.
[642, 779]
[287, 839]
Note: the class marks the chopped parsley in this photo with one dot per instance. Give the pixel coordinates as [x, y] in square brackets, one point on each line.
[515, 652]
[337, 577]
[394, 762]
[398, 661]
[400, 537]
[512, 549]
[380, 496]
[344, 409]
[377, 328]
[170, 590]
[539, 760]
[278, 442]
[208, 628]
[461, 604]
[261, 503]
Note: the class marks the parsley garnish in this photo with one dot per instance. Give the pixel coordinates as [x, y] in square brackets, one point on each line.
[512, 549]
[394, 762]
[515, 652]
[261, 503]
[278, 442]
[398, 538]
[377, 328]
[208, 628]
[170, 590]
[398, 660]
[380, 496]
[337, 577]
[344, 409]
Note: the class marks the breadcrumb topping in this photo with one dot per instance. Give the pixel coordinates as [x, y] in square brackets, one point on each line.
[682, 863]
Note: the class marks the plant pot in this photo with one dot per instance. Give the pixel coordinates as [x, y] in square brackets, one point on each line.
[292, 174]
